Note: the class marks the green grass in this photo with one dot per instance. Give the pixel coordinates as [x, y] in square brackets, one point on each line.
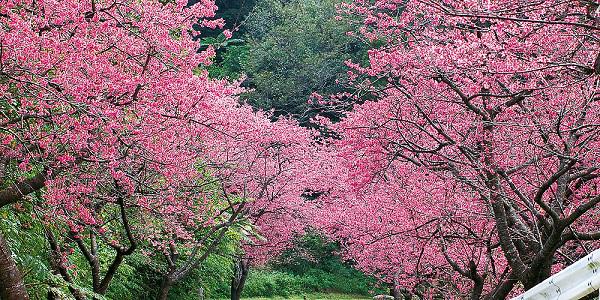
[314, 296]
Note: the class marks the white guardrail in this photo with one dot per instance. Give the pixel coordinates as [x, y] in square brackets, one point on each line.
[574, 282]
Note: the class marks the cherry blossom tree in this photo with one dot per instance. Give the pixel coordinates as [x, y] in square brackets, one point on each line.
[107, 109]
[104, 107]
[261, 170]
[280, 210]
[476, 170]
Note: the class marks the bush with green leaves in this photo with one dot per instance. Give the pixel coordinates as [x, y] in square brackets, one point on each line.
[270, 283]
[310, 266]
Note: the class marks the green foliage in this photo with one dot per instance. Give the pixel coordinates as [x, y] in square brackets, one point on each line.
[134, 280]
[288, 50]
[297, 48]
[315, 260]
[213, 275]
[139, 277]
[269, 283]
[314, 296]
[231, 62]
[311, 266]
[25, 236]
[317, 270]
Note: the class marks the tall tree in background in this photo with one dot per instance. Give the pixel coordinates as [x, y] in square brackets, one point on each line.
[291, 50]
[284, 35]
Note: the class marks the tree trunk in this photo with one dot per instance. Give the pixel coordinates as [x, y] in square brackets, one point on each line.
[242, 267]
[12, 286]
[165, 287]
[501, 291]
[396, 292]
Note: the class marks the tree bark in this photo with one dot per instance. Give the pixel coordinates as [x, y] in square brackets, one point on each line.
[165, 287]
[503, 289]
[58, 268]
[478, 281]
[396, 292]
[11, 280]
[12, 286]
[242, 268]
[18, 190]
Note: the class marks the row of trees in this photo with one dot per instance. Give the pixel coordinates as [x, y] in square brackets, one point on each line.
[473, 172]
[112, 128]
[476, 172]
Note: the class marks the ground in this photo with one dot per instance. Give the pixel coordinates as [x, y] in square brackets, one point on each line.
[316, 296]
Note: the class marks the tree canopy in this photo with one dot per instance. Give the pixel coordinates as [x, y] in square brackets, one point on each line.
[450, 149]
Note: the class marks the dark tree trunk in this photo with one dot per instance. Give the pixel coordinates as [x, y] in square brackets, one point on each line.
[242, 267]
[501, 291]
[18, 190]
[12, 286]
[538, 274]
[110, 274]
[58, 268]
[396, 292]
[165, 287]
[51, 295]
